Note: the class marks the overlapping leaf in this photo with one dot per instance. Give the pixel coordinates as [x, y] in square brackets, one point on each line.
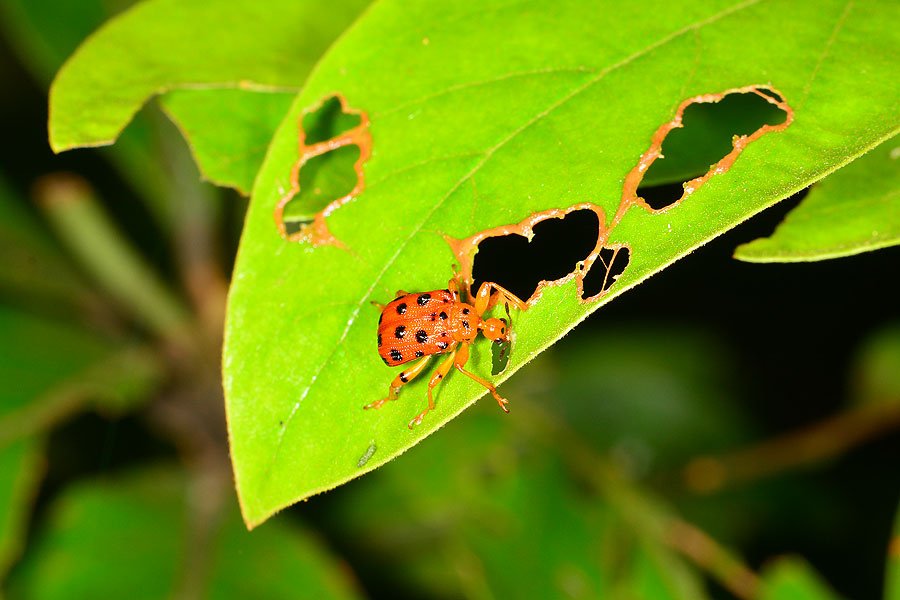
[855, 210]
[237, 58]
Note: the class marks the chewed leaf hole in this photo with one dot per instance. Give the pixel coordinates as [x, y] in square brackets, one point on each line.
[610, 263]
[328, 122]
[709, 128]
[334, 143]
[323, 179]
[556, 248]
[705, 137]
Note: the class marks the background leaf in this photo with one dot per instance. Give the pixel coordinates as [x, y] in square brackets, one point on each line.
[480, 505]
[20, 473]
[854, 210]
[552, 113]
[651, 395]
[58, 367]
[877, 372]
[793, 579]
[91, 525]
[238, 61]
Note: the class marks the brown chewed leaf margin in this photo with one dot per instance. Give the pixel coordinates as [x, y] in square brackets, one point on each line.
[316, 232]
[634, 178]
[613, 258]
[465, 249]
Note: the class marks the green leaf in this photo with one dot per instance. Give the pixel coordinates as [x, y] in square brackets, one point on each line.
[135, 525]
[284, 561]
[229, 130]
[792, 579]
[20, 472]
[892, 576]
[242, 54]
[139, 525]
[854, 210]
[474, 130]
[57, 367]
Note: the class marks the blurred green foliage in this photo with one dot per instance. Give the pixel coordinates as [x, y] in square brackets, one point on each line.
[635, 464]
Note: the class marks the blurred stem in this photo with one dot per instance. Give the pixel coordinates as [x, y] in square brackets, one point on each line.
[650, 518]
[73, 211]
[811, 445]
[195, 215]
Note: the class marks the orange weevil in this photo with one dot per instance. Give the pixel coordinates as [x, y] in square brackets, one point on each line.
[423, 324]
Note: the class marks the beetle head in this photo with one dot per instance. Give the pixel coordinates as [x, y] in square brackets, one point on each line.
[495, 330]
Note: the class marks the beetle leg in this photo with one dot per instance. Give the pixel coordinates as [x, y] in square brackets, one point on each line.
[377, 305]
[490, 293]
[401, 293]
[400, 380]
[462, 357]
[438, 376]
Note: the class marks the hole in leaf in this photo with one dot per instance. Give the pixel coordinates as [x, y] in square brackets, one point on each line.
[610, 263]
[322, 179]
[334, 143]
[555, 249]
[328, 122]
[706, 136]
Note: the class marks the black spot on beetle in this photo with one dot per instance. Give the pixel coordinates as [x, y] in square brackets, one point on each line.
[440, 376]
[400, 332]
[419, 354]
[423, 299]
[421, 336]
[466, 325]
[443, 316]
[396, 356]
[403, 377]
[465, 311]
[401, 308]
[379, 340]
[442, 345]
[434, 316]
